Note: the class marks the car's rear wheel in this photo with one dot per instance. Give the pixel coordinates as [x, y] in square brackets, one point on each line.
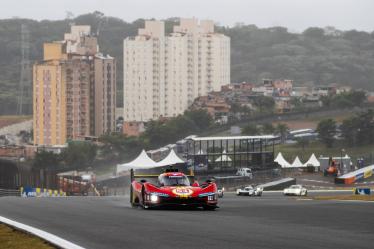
[143, 199]
[132, 198]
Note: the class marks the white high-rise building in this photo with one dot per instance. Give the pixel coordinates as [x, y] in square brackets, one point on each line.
[163, 74]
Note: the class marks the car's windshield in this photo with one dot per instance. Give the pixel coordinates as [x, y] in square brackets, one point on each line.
[295, 186]
[178, 180]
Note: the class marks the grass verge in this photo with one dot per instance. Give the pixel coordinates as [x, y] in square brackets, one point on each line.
[15, 239]
[346, 198]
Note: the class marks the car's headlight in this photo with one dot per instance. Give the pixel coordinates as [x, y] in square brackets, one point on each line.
[154, 198]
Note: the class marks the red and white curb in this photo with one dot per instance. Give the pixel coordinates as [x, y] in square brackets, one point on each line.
[53, 239]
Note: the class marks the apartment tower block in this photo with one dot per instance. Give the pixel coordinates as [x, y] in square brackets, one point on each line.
[74, 90]
[163, 74]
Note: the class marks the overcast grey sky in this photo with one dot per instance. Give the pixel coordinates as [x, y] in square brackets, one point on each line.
[294, 14]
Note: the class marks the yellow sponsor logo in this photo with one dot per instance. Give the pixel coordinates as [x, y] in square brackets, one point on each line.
[182, 192]
[368, 173]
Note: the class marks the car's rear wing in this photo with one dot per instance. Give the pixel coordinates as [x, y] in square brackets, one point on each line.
[134, 176]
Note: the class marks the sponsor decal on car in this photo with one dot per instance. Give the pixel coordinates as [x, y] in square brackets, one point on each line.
[182, 192]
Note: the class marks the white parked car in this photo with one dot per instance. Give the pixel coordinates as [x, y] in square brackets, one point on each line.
[250, 191]
[295, 190]
[245, 172]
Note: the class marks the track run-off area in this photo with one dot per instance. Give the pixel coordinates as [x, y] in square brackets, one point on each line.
[270, 221]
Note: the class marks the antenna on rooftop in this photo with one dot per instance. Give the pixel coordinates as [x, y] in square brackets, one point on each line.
[24, 90]
[102, 19]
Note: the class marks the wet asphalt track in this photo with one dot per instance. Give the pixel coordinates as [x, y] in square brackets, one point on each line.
[270, 221]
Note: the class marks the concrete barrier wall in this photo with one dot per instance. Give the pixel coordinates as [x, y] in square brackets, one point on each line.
[279, 184]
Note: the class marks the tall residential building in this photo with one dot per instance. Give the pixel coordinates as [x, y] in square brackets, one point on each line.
[74, 91]
[104, 95]
[163, 74]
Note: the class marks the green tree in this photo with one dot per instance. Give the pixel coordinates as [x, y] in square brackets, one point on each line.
[349, 129]
[359, 129]
[264, 103]
[201, 118]
[282, 130]
[79, 155]
[46, 160]
[267, 128]
[314, 33]
[250, 130]
[326, 131]
[118, 147]
[303, 142]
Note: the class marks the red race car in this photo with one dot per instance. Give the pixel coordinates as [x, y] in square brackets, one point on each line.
[173, 188]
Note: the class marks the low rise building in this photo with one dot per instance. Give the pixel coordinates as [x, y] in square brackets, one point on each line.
[282, 104]
[18, 152]
[215, 105]
[133, 128]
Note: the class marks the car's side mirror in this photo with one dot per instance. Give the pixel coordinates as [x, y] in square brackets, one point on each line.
[195, 184]
[208, 181]
[143, 180]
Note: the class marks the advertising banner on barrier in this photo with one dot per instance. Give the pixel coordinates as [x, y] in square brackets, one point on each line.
[40, 192]
[362, 191]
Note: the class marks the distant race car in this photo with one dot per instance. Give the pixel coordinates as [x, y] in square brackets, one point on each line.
[172, 189]
[250, 191]
[220, 192]
[295, 190]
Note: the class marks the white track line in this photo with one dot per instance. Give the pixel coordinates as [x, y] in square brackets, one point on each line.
[53, 239]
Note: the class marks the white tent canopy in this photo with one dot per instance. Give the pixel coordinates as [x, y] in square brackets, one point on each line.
[224, 157]
[297, 163]
[281, 161]
[143, 161]
[279, 157]
[200, 152]
[313, 161]
[170, 159]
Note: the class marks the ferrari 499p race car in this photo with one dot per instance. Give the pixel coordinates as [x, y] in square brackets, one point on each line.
[172, 189]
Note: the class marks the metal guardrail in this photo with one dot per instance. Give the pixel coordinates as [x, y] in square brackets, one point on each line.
[9, 192]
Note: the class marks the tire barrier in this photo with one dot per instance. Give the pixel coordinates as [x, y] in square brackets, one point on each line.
[40, 192]
[356, 175]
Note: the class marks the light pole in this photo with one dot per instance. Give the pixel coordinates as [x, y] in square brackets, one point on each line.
[341, 159]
